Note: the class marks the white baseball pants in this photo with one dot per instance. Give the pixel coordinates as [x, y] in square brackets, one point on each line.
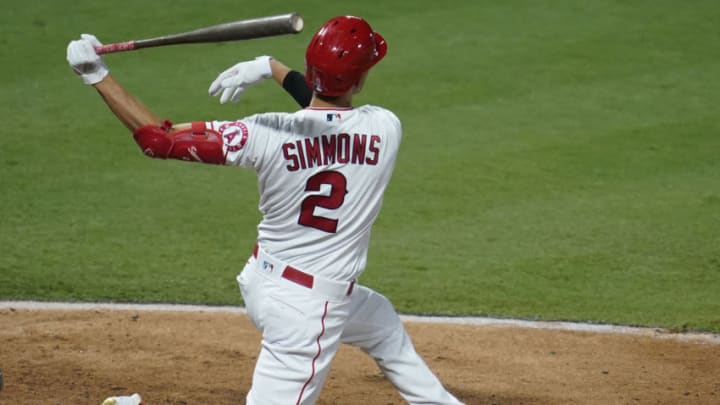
[303, 327]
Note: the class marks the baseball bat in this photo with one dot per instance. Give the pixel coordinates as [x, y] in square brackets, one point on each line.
[291, 23]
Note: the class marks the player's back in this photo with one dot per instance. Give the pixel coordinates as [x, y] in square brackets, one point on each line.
[322, 174]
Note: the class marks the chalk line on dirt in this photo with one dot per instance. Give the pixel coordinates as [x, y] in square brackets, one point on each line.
[657, 333]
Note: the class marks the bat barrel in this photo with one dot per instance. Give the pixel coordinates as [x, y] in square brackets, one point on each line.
[291, 23]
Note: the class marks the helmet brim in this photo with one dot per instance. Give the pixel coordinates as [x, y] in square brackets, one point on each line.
[380, 47]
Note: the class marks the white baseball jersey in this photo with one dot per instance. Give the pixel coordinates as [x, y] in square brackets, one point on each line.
[321, 177]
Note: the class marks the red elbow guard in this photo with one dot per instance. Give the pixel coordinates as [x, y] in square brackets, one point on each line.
[197, 144]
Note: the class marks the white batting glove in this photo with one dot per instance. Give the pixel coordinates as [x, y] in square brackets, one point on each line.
[85, 61]
[231, 83]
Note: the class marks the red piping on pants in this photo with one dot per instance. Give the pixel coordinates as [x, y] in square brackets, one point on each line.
[319, 350]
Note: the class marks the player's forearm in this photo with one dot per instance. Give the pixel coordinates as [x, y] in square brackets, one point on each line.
[129, 110]
[292, 81]
[279, 71]
[294, 84]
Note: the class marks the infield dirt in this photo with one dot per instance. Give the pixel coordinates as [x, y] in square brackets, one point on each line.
[83, 356]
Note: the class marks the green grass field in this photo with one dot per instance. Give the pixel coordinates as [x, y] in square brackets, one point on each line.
[561, 159]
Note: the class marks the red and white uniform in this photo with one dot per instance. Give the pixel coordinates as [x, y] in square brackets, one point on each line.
[321, 174]
[321, 178]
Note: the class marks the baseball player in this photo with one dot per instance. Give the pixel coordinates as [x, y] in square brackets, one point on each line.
[322, 172]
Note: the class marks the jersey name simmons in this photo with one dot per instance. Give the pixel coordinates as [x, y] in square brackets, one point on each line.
[324, 150]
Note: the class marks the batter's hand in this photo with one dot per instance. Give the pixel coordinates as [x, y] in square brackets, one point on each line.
[231, 83]
[85, 61]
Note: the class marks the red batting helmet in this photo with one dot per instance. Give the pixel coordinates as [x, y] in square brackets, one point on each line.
[340, 53]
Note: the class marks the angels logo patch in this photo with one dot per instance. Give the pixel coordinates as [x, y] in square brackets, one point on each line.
[235, 135]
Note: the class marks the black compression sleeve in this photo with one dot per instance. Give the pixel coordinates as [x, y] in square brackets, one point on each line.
[294, 83]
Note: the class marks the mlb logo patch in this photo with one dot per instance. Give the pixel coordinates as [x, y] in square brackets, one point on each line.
[333, 116]
[268, 266]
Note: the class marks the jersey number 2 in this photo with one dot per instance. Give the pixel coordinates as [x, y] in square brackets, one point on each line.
[334, 200]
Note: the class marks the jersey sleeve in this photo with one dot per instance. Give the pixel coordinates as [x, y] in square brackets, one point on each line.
[395, 124]
[251, 141]
[243, 141]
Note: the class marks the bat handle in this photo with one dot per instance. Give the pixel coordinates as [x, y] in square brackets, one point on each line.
[116, 47]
